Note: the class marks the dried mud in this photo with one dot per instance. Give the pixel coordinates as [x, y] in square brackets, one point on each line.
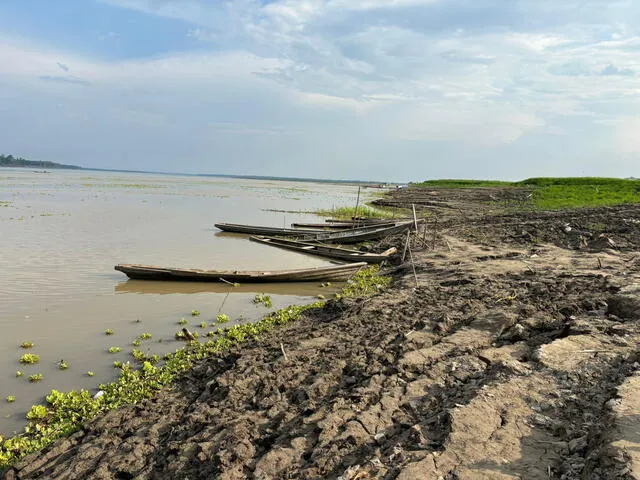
[506, 356]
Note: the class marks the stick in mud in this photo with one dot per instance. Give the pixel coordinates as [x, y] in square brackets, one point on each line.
[406, 245]
[413, 266]
[435, 231]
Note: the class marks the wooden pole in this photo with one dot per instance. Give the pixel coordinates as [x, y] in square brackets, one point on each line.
[435, 231]
[355, 213]
[415, 219]
[406, 245]
[413, 266]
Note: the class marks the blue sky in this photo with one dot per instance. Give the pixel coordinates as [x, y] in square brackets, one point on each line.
[385, 89]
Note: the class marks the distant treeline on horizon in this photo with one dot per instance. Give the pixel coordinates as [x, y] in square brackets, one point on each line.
[11, 161]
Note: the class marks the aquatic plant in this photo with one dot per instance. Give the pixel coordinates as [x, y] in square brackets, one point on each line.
[90, 373]
[145, 336]
[114, 349]
[182, 321]
[108, 331]
[222, 318]
[136, 343]
[27, 345]
[320, 296]
[138, 354]
[195, 313]
[36, 377]
[37, 412]
[10, 398]
[19, 373]
[62, 365]
[203, 324]
[264, 299]
[29, 359]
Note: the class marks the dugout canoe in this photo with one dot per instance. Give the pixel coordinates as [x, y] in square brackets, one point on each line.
[326, 251]
[330, 273]
[357, 235]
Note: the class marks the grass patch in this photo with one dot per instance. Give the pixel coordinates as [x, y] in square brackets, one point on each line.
[363, 211]
[463, 183]
[554, 193]
[66, 412]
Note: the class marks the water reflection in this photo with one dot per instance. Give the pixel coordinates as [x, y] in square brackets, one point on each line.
[306, 289]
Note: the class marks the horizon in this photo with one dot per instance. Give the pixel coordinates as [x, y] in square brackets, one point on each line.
[325, 89]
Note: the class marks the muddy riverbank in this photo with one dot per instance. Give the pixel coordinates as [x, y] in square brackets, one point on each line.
[512, 353]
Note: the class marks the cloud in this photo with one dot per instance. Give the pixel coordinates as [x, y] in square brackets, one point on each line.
[454, 81]
[611, 69]
[63, 79]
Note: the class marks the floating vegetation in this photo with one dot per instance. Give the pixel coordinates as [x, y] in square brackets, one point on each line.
[27, 345]
[29, 359]
[37, 412]
[222, 318]
[90, 373]
[114, 349]
[36, 377]
[195, 313]
[136, 343]
[264, 299]
[10, 398]
[145, 336]
[182, 321]
[108, 331]
[62, 365]
[203, 324]
[19, 373]
[66, 412]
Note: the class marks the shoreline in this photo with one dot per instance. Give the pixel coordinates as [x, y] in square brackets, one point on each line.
[511, 353]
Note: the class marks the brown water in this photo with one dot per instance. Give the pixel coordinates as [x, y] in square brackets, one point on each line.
[62, 232]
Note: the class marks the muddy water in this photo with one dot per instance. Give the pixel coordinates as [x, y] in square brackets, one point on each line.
[62, 232]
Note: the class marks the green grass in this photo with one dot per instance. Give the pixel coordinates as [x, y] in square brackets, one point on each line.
[462, 183]
[555, 193]
[66, 412]
[349, 212]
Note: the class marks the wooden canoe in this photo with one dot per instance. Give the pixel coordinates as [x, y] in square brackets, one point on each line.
[287, 232]
[357, 235]
[332, 273]
[259, 230]
[326, 250]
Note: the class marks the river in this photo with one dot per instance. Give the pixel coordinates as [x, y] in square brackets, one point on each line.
[62, 232]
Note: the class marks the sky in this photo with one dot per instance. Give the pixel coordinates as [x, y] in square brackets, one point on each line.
[391, 90]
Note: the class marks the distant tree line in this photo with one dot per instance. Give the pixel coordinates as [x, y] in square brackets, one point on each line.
[11, 161]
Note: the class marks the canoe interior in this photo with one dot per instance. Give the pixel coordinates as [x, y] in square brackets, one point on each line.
[151, 272]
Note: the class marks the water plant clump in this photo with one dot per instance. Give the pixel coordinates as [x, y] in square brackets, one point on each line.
[145, 336]
[19, 373]
[66, 412]
[114, 349]
[136, 342]
[29, 359]
[27, 345]
[108, 331]
[195, 313]
[222, 318]
[261, 298]
[10, 398]
[36, 377]
[182, 321]
[62, 365]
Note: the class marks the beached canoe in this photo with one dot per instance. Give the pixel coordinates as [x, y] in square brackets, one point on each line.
[259, 230]
[357, 235]
[286, 232]
[326, 251]
[331, 273]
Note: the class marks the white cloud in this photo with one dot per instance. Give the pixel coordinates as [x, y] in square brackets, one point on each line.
[368, 74]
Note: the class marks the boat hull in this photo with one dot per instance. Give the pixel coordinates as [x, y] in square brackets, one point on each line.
[325, 250]
[330, 273]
